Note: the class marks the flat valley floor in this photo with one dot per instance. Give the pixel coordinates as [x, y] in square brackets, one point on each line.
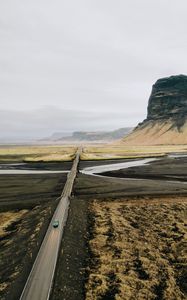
[124, 239]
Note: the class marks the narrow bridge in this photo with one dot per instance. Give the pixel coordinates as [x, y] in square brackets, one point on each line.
[40, 280]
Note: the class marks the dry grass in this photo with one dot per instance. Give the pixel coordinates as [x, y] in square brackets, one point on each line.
[20, 236]
[7, 218]
[121, 151]
[97, 152]
[37, 153]
[57, 157]
[139, 250]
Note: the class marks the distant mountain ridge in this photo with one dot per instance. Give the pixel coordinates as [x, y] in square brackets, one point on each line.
[166, 121]
[91, 136]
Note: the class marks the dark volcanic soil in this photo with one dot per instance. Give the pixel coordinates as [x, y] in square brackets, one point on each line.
[91, 163]
[19, 244]
[164, 168]
[17, 191]
[76, 258]
[53, 166]
[71, 272]
[19, 247]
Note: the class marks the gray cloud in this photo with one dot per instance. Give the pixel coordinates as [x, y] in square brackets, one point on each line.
[98, 56]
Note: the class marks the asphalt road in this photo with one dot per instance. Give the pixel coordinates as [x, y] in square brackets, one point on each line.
[40, 280]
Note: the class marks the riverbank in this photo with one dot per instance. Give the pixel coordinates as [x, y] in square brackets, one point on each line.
[166, 168]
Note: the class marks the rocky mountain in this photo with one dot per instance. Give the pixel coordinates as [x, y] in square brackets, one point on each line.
[90, 136]
[100, 135]
[166, 121]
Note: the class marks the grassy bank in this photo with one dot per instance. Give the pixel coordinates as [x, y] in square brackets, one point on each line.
[138, 249]
[36, 153]
[59, 153]
[120, 151]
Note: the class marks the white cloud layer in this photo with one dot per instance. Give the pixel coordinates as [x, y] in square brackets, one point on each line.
[100, 56]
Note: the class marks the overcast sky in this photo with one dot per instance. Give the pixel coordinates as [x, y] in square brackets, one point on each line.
[85, 64]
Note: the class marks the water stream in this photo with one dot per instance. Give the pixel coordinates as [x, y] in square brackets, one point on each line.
[14, 169]
[96, 170]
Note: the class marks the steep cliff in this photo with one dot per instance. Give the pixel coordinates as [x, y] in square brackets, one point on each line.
[166, 121]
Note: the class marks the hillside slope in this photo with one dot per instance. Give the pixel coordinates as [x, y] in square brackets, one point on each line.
[166, 121]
